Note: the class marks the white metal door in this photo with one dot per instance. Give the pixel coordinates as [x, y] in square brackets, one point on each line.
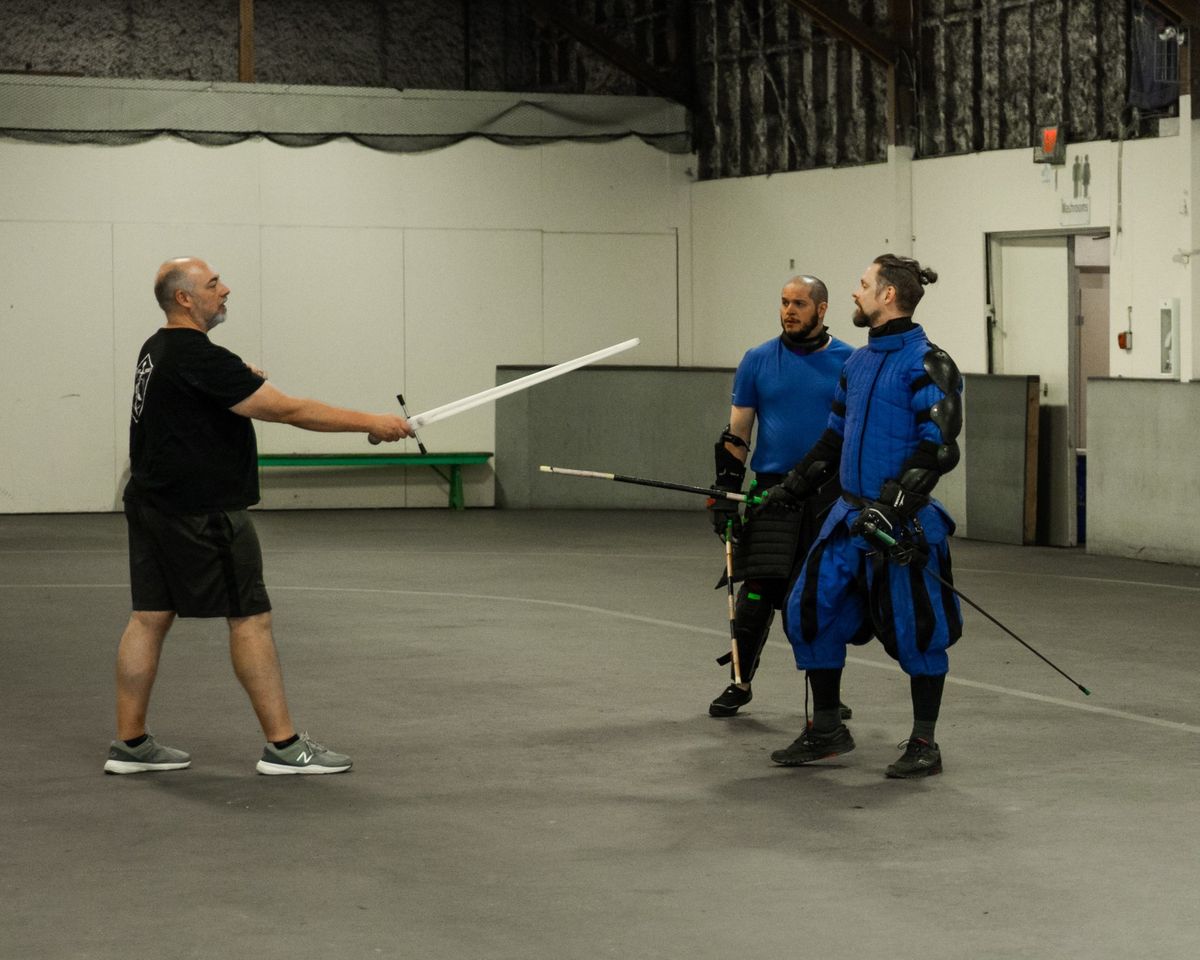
[1031, 298]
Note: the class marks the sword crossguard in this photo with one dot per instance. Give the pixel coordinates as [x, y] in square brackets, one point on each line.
[404, 410]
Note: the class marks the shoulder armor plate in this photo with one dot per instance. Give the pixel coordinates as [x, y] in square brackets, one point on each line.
[942, 369]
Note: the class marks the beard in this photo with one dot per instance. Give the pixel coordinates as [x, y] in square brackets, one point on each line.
[861, 319]
[216, 319]
[808, 328]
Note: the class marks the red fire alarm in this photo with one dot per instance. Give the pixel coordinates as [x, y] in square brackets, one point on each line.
[1125, 340]
[1051, 146]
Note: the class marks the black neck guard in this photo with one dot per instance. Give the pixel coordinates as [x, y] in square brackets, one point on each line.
[893, 326]
[808, 344]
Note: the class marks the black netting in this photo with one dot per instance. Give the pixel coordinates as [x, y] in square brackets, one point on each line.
[392, 143]
[116, 113]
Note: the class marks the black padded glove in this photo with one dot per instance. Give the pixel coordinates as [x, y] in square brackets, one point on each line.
[721, 512]
[789, 494]
[731, 474]
[877, 516]
[892, 518]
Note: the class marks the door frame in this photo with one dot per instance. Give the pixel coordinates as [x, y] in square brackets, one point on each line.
[994, 347]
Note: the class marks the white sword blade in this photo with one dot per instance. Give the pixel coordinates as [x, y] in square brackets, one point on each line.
[524, 383]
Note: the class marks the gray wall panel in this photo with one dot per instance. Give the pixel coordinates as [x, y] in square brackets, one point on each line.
[1143, 479]
[656, 423]
[995, 433]
[660, 423]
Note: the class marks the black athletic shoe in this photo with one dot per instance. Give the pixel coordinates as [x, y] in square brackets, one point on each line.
[847, 713]
[810, 746]
[726, 705]
[921, 759]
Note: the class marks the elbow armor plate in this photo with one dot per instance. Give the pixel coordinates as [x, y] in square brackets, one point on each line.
[947, 413]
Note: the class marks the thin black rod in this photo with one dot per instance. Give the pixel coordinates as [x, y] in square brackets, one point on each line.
[963, 596]
[715, 492]
[885, 538]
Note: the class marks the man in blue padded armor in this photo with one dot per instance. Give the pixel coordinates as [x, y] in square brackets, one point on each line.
[786, 384]
[891, 435]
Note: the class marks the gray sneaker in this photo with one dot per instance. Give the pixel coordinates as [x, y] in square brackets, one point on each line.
[303, 756]
[146, 756]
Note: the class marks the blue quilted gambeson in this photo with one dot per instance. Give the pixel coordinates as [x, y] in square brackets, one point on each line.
[847, 591]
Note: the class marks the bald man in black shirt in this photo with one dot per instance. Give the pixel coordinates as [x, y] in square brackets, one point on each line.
[193, 551]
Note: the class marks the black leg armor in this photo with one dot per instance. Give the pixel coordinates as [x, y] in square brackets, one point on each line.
[752, 616]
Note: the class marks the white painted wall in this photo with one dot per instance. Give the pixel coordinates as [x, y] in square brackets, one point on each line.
[355, 275]
[750, 235]
[358, 274]
[833, 222]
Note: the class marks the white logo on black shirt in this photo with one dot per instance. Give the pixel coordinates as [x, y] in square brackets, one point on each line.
[141, 380]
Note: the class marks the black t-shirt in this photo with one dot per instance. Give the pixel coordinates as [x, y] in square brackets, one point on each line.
[188, 452]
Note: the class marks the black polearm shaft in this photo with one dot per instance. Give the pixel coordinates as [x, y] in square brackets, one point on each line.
[715, 492]
[871, 530]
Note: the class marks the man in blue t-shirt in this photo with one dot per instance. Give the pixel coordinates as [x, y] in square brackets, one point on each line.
[193, 551]
[786, 386]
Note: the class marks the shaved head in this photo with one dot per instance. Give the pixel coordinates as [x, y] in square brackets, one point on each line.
[816, 288]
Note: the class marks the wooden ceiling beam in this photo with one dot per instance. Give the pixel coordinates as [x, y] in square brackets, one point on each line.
[555, 14]
[246, 41]
[904, 17]
[888, 49]
[1186, 10]
[834, 18]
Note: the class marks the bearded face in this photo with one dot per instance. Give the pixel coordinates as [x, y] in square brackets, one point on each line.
[799, 316]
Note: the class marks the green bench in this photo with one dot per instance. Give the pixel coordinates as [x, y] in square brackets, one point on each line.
[455, 461]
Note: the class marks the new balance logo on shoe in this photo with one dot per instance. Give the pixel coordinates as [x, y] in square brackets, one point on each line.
[303, 756]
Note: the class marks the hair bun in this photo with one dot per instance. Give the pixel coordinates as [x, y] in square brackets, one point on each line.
[927, 276]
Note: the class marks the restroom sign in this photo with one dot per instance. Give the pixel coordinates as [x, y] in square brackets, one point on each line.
[1076, 212]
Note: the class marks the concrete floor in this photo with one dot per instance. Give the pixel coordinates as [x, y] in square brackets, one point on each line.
[536, 776]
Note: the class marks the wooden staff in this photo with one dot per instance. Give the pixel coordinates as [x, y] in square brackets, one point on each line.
[733, 645]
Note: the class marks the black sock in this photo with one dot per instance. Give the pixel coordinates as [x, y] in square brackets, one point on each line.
[137, 741]
[927, 701]
[284, 744]
[826, 690]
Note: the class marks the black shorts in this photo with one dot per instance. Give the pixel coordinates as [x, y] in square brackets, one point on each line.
[197, 565]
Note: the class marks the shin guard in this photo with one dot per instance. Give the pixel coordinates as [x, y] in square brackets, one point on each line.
[752, 617]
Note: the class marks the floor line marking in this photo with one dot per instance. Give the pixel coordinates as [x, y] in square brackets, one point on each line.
[1044, 575]
[674, 624]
